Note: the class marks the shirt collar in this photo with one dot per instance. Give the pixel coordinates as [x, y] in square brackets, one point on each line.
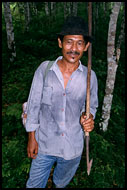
[54, 66]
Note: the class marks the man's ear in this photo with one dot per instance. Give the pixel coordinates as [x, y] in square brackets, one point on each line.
[59, 43]
[86, 47]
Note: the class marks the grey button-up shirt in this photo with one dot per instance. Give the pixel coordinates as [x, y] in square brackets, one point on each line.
[54, 111]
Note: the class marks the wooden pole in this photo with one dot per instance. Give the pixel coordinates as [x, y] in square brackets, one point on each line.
[89, 164]
[89, 60]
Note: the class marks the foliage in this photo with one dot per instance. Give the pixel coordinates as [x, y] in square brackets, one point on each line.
[33, 47]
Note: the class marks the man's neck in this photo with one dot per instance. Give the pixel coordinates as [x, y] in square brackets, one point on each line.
[67, 66]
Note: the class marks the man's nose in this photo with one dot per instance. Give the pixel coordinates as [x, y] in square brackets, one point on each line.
[74, 47]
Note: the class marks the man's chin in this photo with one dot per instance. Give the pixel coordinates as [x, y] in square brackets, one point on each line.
[73, 60]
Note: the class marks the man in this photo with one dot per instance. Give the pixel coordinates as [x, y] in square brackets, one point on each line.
[55, 114]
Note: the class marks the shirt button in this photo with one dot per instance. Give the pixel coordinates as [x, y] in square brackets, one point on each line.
[62, 109]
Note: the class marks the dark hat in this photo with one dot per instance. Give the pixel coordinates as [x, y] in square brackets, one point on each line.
[75, 26]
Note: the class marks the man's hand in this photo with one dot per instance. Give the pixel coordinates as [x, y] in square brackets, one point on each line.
[32, 147]
[88, 125]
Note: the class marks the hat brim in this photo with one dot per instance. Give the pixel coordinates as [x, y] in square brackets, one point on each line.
[88, 38]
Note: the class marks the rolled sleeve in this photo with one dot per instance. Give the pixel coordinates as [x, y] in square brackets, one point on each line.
[31, 127]
[34, 101]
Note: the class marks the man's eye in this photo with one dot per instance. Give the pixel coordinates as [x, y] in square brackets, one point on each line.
[80, 43]
[69, 42]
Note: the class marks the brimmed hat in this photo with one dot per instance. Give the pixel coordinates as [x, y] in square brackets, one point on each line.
[75, 26]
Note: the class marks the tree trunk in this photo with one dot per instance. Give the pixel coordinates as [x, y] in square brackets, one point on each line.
[53, 10]
[9, 30]
[69, 8]
[27, 15]
[52, 6]
[65, 10]
[47, 8]
[75, 8]
[112, 67]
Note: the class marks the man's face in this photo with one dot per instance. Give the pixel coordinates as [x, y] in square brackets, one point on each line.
[73, 47]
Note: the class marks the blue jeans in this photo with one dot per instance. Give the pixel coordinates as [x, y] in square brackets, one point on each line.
[41, 167]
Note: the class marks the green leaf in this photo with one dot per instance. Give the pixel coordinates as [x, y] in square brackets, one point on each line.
[14, 110]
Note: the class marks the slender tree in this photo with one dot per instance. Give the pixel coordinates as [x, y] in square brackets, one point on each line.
[47, 9]
[10, 31]
[27, 15]
[52, 7]
[69, 8]
[52, 11]
[112, 66]
[75, 8]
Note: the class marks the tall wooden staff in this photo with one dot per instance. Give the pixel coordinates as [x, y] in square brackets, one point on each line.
[89, 164]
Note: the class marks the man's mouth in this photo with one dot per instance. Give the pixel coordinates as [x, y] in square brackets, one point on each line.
[73, 53]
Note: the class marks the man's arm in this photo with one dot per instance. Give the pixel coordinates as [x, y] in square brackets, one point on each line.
[32, 147]
[33, 109]
[34, 99]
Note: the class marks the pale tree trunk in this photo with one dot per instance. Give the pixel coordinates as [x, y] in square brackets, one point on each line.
[47, 9]
[27, 15]
[53, 10]
[9, 30]
[75, 8]
[112, 67]
[69, 8]
[52, 7]
[104, 6]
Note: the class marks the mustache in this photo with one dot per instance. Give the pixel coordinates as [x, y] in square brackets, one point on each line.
[73, 53]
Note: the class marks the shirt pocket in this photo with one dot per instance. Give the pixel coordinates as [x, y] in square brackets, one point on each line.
[47, 95]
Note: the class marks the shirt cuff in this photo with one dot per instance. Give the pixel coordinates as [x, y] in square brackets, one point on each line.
[31, 127]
